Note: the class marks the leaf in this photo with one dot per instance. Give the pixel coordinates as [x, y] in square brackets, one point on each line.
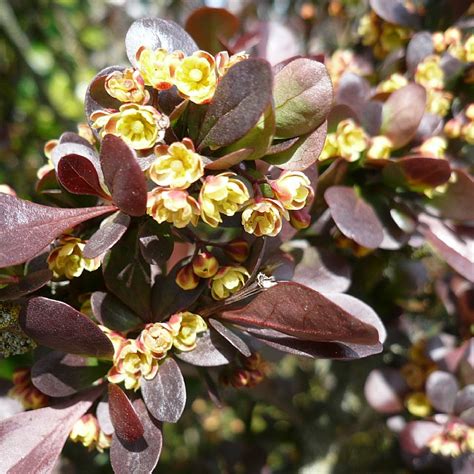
[165, 394]
[416, 434]
[441, 389]
[127, 424]
[141, 456]
[32, 441]
[57, 325]
[241, 97]
[441, 14]
[123, 176]
[303, 313]
[113, 314]
[27, 228]
[385, 389]
[221, 25]
[155, 241]
[355, 218]
[212, 350]
[353, 91]
[418, 172]
[128, 276]
[103, 415]
[230, 159]
[303, 97]
[464, 400]
[303, 154]
[61, 375]
[402, 113]
[395, 12]
[28, 284]
[419, 47]
[108, 234]
[154, 33]
[231, 337]
[455, 201]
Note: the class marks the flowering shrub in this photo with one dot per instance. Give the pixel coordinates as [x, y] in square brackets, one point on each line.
[212, 210]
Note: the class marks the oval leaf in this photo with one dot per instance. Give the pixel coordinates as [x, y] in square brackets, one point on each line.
[27, 228]
[395, 11]
[441, 389]
[56, 325]
[231, 337]
[385, 389]
[165, 394]
[355, 218]
[419, 47]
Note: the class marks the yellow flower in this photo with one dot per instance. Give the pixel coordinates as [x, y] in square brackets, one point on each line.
[67, 260]
[156, 339]
[177, 165]
[224, 62]
[380, 147]
[394, 82]
[351, 140]
[331, 148]
[221, 194]
[141, 126]
[438, 42]
[369, 29]
[469, 112]
[227, 281]
[157, 67]
[417, 404]
[469, 49]
[429, 73]
[452, 128]
[186, 279]
[434, 147]
[130, 364]
[393, 37]
[293, 189]
[174, 206]
[195, 77]
[104, 442]
[438, 102]
[467, 133]
[341, 61]
[87, 431]
[264, 217]
[127, 86]
[186, 326]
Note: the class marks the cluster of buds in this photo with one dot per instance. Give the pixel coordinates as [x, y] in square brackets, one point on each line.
[462, 126]
[140, 357]
[250, 372]
[452, 41]
[384, 37]
[456, 439]
[25, 392]
[87, 431]
[13, 341]
[66, 258]
[349, 141]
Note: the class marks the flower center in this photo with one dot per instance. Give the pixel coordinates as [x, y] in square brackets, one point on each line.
[195, 75]
[137, 127]
[176, 165]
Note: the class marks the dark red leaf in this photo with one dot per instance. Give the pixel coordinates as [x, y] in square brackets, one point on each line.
[154, 33]
[441, 389]
[221, 25]
[355, 218]
[127, 424]
[27, 228]
[108, 234]
[231, 337]
[57, 325]
[141, 456]
[32, 441]
[61, 375]
[395, 11]
[385, 390]
[241, 97]
[165, 394]
[419, 47]
[113, 314]
[27, 284]
[156, 244]
[301, 312]
[123, 176]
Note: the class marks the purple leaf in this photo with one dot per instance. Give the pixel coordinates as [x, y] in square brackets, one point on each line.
[108, 234]
[301, 312]
[110, 312]
[355, 218]
[395, 11]
[353, 91]
[127, 424]
[241, 97]
[123, 176]
[165, 394]
[303, 97]
[441, 389]
[103, 415]
[32, 441]
[212, 350]
[464, 400]
[231, 337]
[384, 390]
[155, 33]
[141, 456]
[28, 284]
[230, 159]
[27, 228]
[61, 375]
[56, 325]
[402, 114]
[156, 244]
[419, 47]
[72, 137]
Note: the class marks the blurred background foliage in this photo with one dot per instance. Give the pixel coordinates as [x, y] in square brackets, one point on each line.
[308, 417]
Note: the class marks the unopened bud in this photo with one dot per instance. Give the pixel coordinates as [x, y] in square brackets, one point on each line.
[470, 112]
[452, 129]
[205, 265]
[240, 378]
[238, 250]
[300, 219]
[186, 278]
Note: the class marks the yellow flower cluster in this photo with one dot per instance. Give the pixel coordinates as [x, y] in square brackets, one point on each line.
[140, 357]
[66, 258]
[434, 147]
[349, 141]
[87, 431]
[456, 439]
[380, 148]
[462, 126]
[452, 42]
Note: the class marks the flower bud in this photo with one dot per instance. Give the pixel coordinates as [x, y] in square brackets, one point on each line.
[467, 133]
[418, 404]
[155, 339]
[205, 265]
[240, 378]
[469, 112]
[438, 102]
[300, 219]
[380, 147]
[127, 86]
[452, 129]
[224, 62]
[238, 250]
[227, 281]
[186, 279]
[293, 189]
[469, 50]
[438, 42]
[394, 82]
[264, 217]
